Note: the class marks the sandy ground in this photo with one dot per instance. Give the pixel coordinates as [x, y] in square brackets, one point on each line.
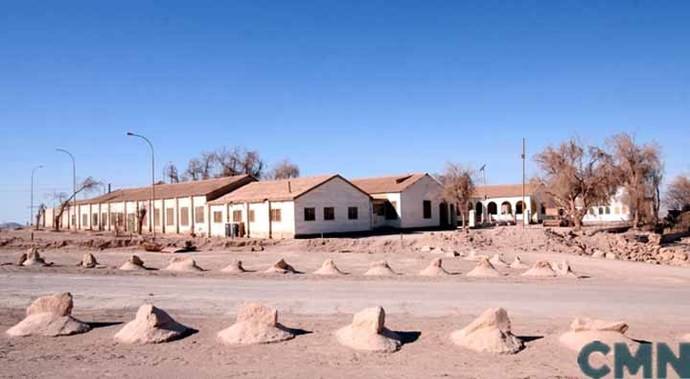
[651, 298]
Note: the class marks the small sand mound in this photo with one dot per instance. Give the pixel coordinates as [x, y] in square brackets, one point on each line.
[328, 268]
[565, 270]
[134, 263]
[517, 263]
[435, 268]
[540, 269]
[88, 261]
[474, 256]
[183, 264]
[234, 268]
[585, 330]
[484, 269]
[281, 267]
[497, 261]
[489, 333]
[255, 324]
[368, 332]
[380, 268]
[151, 325]
[49, 316]
[33, 258]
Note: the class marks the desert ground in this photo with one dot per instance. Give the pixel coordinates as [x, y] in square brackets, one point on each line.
[651, 298]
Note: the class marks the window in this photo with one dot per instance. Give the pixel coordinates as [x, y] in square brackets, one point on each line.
[74, 220]
[591, 211]
[157, 217]
[84, 220]
[184, 216]
[309, 214]
[251, 215]
[169, 216]
[379, 209]
[95, 219]
[199, 215]
[352, 213]
[328, 213]
[391, 212]
[601, 210]
[104, 218]
[275, 215]
[608, 210]
[426, 204]
[236, 216]
[218, 217]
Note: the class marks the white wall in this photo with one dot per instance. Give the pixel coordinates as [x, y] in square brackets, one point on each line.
[615, 211]
[412, 200]
[340, 195]
[513, 201]
[381, 221]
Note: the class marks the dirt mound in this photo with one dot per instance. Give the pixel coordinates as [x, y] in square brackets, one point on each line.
[88, 261]
[183, 264]
[435, 268]
[49, 316]
[134, 263]
[489, 333]
[585, 330]
[497, 261]
[368, 332]
[564, 270]
[281, 267]
[540, 269]
[380, 268]
[484, 269]
[517, 263]
[235, 267]
[33, 258]
[151, 325]
[472, 255]
[255, 324]
[328, 268]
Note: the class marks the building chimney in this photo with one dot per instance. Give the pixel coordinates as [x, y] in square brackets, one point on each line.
[289, 187]
[108, 187]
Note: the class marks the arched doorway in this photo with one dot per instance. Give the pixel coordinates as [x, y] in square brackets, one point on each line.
[519, 207]
[506, 208]
[478, 211]
[492, 208]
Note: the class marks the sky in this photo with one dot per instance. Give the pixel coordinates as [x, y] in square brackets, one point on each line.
[360, 88]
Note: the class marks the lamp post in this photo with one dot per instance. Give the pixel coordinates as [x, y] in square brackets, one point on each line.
[74, 186]
[31, 206]
[152, 228]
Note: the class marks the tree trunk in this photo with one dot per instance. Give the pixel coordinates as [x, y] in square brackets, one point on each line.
[464, 223]
[576, 216]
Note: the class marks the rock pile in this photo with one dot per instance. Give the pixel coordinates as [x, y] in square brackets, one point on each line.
[235, 267]
[151, 325]
[380, 268]
[585, 330]
[484, 269]
[49, 316]
[183, 264]
[435, 268]
[255, 324]
[541, 269]
[489, 333]
[134, 263]
[281, 267]
[368, 332]
[328, 268]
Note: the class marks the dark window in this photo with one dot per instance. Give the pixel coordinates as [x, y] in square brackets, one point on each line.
[169, 216]
[275, 215]
[184, 216]
[84, 220]
[95, 219]
[391, 212]
[251, 215]
[217, 217]
[427, 208]
[309, 214]
[608, 210]
[329, 213]
[601, 210]
[352, 213]
[236, 216]
[199, 215]
[104, 218]
[379, 209]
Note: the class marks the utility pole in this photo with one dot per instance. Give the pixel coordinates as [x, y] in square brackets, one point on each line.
[524, 205]
[152, 228]
[31, 206]
[74, 193]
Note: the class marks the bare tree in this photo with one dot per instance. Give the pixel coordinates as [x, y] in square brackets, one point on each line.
[194, 170]
[237, 161]
[641, 172]
[575, 177]
[458, 187]
[678, 194]
[88, 185]
[170, 173]
[284, 170]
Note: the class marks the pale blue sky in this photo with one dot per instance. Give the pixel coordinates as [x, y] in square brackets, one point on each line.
[356, 87]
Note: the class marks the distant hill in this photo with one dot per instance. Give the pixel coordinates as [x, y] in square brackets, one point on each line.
[10, 226]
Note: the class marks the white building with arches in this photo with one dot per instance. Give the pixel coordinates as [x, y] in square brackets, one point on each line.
[505, 204]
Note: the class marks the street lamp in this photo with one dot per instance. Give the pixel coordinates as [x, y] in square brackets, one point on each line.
[31, 206]
[74, 185]
[152, 229]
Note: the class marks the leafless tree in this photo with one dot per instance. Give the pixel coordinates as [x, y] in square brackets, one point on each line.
[575, 177]
[141, 216]
[678, 194]
[170, 173]
[237, 161]
[284, 170]
[88, 185]
[640, 170]
[458, 187]
[194, 170]
[40, 214]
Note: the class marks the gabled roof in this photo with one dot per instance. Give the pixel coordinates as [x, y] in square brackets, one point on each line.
[503, 190]
[211, 188]
[388, 184]
[276, 190]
